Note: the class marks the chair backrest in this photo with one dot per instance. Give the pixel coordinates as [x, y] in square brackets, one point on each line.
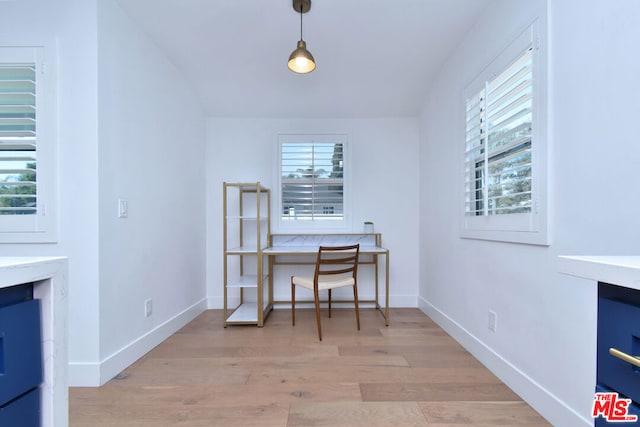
[337, 260]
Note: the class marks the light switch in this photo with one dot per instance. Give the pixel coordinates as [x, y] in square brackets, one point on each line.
[123, 208]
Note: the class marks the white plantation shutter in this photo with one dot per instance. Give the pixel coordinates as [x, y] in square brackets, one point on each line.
[498, 161]
[312, 178]
[506, 178]
[18, 195]
[28, 211]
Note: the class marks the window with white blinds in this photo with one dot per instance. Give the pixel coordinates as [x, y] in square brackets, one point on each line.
[18, 181]
[506, 149]
[27, 145]
[312, 171]
[498, 153]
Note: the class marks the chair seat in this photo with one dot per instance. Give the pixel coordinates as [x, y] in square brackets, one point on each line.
[324, 282]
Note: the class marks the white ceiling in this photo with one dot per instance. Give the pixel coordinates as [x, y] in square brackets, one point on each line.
[375, 58]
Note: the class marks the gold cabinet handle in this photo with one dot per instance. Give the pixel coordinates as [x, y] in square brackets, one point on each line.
[635, 361]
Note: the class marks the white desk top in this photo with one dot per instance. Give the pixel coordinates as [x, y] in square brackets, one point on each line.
[312, 249]
[309, 243]
[616, 270]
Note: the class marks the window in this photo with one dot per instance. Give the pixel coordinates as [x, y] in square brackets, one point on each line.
[312, 180]
[25, 146]
[498, 156]
[505, 186]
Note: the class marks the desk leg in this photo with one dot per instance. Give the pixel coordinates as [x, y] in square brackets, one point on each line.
[270, 278]
[386, 314]
[375, 263]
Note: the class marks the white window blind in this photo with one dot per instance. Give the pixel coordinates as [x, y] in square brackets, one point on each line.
[18, 183]
[498, 160]
[27, 145]
[312, 179]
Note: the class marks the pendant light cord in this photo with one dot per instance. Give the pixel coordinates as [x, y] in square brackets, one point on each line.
[301, 6]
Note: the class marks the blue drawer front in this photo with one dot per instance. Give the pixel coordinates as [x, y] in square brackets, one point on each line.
[22, 412]
[20, 349]
[15, 294]
[618, 327]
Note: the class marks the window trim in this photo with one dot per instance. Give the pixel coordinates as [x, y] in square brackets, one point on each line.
[532, 227]
[323, 226]
[43, 226]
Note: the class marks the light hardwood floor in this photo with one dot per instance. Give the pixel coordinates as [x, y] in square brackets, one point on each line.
[410, 373]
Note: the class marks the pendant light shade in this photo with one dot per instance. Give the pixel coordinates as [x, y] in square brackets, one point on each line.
[301, 61]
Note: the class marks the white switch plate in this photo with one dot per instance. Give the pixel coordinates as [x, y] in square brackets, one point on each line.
[493, 321]
[148, 307]
[123, 208]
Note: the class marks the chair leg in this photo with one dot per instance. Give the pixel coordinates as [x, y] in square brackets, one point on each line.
[355, 298]
[329, 302]
[293, 303]
[317, 301]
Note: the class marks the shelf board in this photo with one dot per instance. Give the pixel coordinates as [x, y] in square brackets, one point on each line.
[246, 313]
[242, 250]
[251, 188]
[236, 217]
[247, 281]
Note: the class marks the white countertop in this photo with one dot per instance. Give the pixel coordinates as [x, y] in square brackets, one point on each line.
[16, 270]
[616, 270]
[17, 261]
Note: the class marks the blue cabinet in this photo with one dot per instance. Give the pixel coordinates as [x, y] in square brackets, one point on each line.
[20, 359]
[618, 328]
[23, 411]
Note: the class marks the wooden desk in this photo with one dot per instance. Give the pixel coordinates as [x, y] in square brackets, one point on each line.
[295, 245]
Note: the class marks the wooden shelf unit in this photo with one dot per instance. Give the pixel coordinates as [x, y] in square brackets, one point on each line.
[246, 216]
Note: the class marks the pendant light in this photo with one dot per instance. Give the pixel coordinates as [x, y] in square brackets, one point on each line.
[301, 61]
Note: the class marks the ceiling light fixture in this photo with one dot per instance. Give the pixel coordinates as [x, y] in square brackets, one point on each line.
[301, 61]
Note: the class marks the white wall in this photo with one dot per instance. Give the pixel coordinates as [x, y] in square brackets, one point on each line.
[128, 126]
[152, 140]
[384, 155]
[544, 346]
[68, 28]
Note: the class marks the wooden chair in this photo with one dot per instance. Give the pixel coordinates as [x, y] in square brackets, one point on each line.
[336, 267]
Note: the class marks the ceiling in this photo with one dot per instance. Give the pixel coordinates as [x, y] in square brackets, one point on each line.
[375, 58]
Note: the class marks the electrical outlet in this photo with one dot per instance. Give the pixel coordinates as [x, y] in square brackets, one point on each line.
[148, 307]
[493, 321]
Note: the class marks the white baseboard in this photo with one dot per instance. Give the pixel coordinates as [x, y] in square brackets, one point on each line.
[97, 374]
[543, 401]
[84, 374]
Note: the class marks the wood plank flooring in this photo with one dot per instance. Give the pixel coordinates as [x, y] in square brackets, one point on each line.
[410, 373]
